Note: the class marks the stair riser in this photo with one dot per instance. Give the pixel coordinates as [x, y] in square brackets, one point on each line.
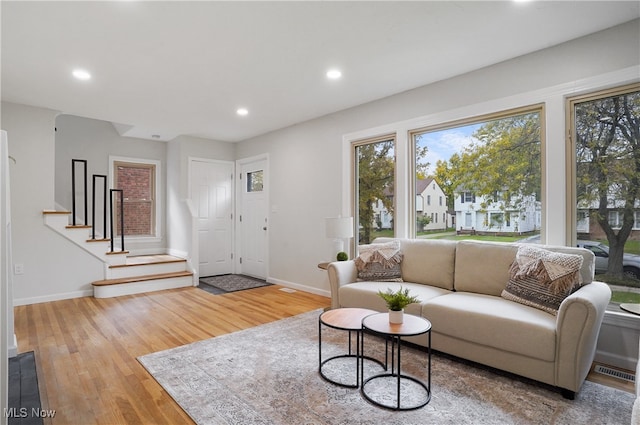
[109, 291]
[145, 269]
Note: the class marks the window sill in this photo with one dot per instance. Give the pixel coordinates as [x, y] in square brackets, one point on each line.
[622, 319]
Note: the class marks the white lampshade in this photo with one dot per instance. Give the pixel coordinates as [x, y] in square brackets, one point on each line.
[339, 227]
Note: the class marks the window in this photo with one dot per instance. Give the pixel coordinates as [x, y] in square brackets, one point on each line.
[615, 219]
[428, 200]
[374, 168]
[486, 167]
[138, 181]
[254, 181]
[605, 188]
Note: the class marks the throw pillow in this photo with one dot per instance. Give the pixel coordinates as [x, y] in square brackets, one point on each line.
[380, 262]
[542, 279]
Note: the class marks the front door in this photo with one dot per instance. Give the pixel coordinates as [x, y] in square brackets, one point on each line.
[212, 197]
[252, 221]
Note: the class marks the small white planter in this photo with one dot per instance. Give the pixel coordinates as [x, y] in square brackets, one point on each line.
[396, 317]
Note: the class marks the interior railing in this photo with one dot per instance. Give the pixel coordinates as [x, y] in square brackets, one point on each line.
[119, 192]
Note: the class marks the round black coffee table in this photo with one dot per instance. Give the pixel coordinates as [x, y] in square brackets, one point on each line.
[378, 388]
[347, 319]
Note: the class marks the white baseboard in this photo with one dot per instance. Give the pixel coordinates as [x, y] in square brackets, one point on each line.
[13, 349]
[300, 287]
[53, 297]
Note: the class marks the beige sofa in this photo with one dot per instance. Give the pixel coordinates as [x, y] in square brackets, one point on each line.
[460, 286]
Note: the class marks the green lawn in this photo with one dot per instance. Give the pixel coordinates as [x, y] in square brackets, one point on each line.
[625, 297]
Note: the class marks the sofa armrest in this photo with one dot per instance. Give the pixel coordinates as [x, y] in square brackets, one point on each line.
[577, 327]
[340, 273]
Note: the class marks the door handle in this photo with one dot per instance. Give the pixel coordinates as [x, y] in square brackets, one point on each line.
[264, 228]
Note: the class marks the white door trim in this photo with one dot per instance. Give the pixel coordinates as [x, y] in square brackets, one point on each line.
[195, 243]
[239, 163]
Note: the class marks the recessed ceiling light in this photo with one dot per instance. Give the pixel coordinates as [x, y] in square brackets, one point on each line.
[334, 74]
[81, 74]
[242, 111]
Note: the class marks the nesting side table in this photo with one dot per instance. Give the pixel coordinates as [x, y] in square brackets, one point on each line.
[347, 319]
[378, 388]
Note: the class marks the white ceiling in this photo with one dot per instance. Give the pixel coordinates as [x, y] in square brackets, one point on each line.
[183, 68]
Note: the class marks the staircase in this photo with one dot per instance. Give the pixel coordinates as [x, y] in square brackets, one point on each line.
[124, 274]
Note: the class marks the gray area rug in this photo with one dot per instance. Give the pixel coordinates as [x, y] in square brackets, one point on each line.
[230, 283]
[269, 375]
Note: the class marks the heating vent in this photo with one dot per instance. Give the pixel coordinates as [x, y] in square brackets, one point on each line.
[289, 290]
[615, 373]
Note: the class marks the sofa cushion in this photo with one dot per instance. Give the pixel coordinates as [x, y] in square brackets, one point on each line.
[430, 262]
[494, 322]
[365, 295]
[588, 259]
[379, 262]
[542, 279]
[483, 267]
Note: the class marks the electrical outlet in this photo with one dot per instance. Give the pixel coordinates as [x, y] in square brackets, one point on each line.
[18, 268]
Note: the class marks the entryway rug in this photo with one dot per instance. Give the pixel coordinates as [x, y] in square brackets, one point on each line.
[24, 395]
[223, 284]
[269, 375]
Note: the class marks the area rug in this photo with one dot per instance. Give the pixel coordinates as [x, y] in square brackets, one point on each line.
[230, 283]
[24, 394]
[269, 375]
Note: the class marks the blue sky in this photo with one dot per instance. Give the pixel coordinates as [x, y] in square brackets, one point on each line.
[444, 143]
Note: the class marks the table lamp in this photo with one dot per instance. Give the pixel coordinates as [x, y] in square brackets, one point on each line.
[338, 229]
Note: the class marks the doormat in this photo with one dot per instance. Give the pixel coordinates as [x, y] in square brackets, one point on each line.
[230, 283]
[24, 395]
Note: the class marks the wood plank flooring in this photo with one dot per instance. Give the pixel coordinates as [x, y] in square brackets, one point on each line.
[86, 348]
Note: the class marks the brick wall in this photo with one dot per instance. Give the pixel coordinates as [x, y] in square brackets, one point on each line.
[136, 181]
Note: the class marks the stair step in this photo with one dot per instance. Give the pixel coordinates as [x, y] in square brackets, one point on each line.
[53, 212]
[144, 278]
[99, 240]
[143, 260]
[117, 252]
[78, 226]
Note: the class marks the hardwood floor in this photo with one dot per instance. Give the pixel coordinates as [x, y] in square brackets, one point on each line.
[86, 348]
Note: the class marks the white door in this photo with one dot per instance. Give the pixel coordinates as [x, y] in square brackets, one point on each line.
[212, 197]
[252, 222]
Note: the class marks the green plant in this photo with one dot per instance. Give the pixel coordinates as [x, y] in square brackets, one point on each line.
[342, 256]
[398, 300]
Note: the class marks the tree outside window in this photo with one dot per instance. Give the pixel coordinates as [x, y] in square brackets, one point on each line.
[605, 130]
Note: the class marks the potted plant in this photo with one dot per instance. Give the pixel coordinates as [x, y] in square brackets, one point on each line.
[396, 302]
[342, 256]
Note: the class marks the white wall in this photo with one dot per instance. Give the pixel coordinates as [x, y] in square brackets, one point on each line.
[50, 272]
[95, 141]
[310, 162]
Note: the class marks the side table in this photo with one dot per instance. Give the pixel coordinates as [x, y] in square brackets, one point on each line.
[347, 319]
[377, 389]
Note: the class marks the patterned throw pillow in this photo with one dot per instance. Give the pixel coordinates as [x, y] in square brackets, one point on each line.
[380, 262]
[542, 279]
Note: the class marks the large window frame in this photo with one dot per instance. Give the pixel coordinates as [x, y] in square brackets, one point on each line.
[354, 179]
[538, 108]
[156, 213]
[572, 196]
[579, 219]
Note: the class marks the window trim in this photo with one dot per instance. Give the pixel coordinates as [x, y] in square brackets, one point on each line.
[353, 145]
[156, 210]
[539, 108]
[570, 152]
